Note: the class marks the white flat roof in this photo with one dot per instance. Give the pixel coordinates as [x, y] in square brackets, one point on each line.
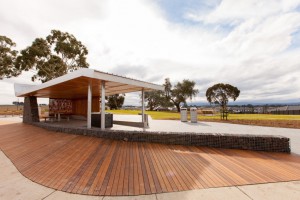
[75, 85]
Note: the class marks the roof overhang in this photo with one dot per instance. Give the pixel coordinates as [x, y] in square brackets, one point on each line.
[74, 85]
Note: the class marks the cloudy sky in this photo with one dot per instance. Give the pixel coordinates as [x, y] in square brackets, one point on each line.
[251, 44]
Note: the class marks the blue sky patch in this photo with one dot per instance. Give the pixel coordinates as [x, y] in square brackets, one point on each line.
[295, 43]
[176, 10]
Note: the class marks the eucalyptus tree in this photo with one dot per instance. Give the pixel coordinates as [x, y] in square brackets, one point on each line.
[180, 92]
[54, 56]
[156, 98]
[116, 101]
[7, 58]
[221, 93]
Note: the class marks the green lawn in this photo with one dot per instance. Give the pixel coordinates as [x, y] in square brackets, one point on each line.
[174, 115]
[153, 114]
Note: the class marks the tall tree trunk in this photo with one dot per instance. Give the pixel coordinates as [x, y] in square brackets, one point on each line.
[223, 112]
[151, 107]
[177, 106]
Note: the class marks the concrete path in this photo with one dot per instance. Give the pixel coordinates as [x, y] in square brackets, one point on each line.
[213, 127]
[13, 185]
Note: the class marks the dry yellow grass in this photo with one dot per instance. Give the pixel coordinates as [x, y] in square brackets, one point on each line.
[11, 110]
[174, 115]
[16, 110]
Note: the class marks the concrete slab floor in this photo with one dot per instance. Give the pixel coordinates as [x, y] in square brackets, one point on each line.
[231, 193]
[141, 197]
[273, 191]
[215, 127]
[67, 196]
[13, 185]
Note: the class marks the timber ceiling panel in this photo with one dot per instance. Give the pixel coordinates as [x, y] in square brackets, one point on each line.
[73, 86]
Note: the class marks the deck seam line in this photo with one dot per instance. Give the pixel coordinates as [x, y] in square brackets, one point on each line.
[48, 195]
[244, 192]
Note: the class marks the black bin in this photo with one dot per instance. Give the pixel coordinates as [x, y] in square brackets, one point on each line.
[96, 120]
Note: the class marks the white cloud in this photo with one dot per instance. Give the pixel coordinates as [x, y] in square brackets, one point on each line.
[134, 38]
[233, 12]
[262, 37]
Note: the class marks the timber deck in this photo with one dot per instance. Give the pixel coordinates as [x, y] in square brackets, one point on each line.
[95, 166]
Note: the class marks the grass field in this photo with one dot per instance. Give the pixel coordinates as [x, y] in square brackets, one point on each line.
[13, 109]
[10, 108]
[160, 115]
[176, 116]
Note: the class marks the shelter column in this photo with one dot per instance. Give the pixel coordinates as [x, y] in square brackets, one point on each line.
[89, 106]
[143, 106]
[102, 105]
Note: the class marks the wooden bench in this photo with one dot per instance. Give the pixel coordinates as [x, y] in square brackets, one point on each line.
[56, 117]
[51, 118]
[65, 116]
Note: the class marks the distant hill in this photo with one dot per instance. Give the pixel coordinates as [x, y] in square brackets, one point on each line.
[252, 103]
